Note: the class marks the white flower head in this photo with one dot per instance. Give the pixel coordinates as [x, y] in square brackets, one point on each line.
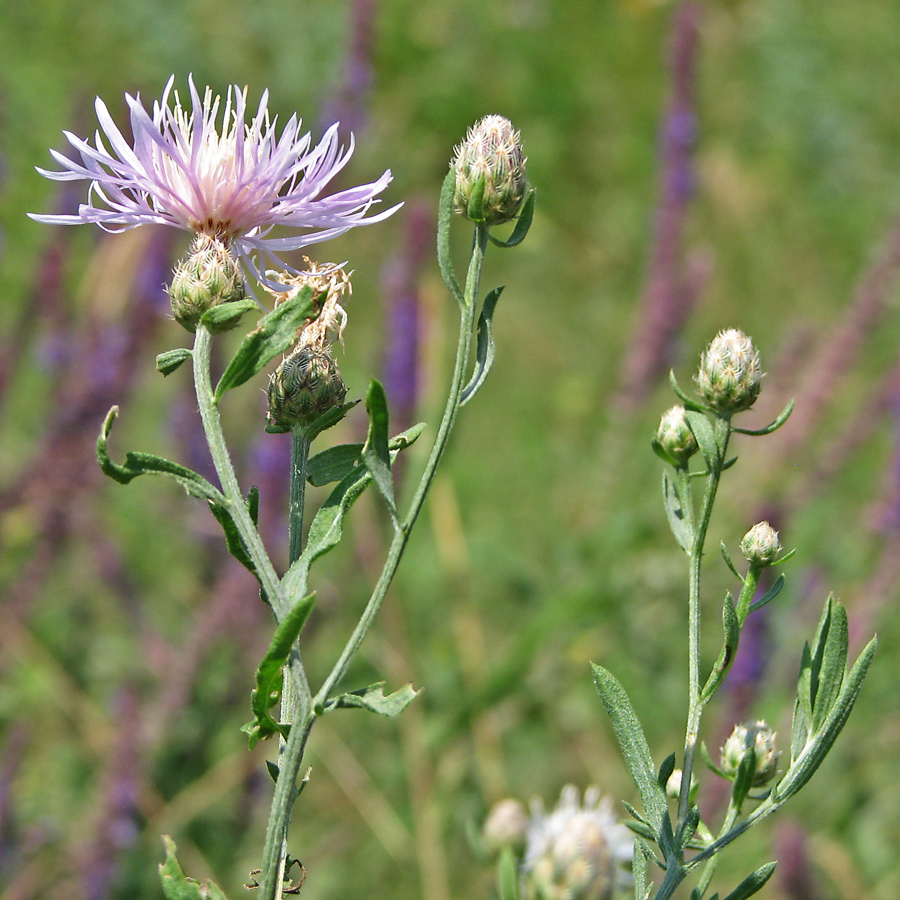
[580, 851]
[235, 184]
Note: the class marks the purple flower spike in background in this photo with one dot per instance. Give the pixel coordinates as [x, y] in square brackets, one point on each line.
[235, 186]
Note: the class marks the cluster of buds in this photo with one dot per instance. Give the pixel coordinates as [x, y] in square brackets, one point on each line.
[755, 736]
[209, 276]
[730, 373]
[675, 437]
[307, 382]
[490, 172]
[760, 545]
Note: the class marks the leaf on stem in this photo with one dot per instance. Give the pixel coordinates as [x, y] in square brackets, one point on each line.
[706, 439]
[689, 403]
[177, 886]
[169, 361]
[270, 675]
[445, 217]
[374, 700]
[226, 315]
[769, 595]
[679, 522]
[731, 628]
[375, 453]
[275, 333]
[752, 883]
[826, 693]
[485, 349]
[523, 223]
[758, 432]
[147, 464]
[634, 748]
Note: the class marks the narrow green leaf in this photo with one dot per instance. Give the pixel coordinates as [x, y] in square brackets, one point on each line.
[270, 676]
[226, 315]
[706, 438]
[731, 628]
[688, 827]
[639, 866]
[328, 420]
[689, 402]
[253, 504]
[816, 748]
[770, 594]
[743, 778]
[508, 876]
[708, 760]
[146, 464]
[632, 811]
[485, 349]
[665, 770]
[833, 665]
[233, 539]
[169, 361]
[374, 700]
[782, 418]
[678, 521]
[275, 333]
[752, 883]
[803, 709]
[727, 557]
[333, 464]
[177, 886]
[445, 217]
[375, 454]
[523, 223]
[273, 770]
[634, 747]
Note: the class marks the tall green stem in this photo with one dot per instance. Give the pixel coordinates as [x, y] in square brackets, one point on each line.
[291, 756]
[695, 703]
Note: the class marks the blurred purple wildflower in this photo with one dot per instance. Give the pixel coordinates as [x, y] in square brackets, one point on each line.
[235, 186]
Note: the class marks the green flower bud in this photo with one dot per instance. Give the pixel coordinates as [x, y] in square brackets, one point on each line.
[760, 545]
[675, 436]
[761, 739]
[730, 374]
[490, 172]
[305, 386]
[505, 826]
[207, 277]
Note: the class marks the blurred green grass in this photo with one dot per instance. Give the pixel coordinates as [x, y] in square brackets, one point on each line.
[544, 545]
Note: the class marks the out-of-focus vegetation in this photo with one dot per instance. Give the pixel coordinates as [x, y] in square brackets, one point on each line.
[724, 164]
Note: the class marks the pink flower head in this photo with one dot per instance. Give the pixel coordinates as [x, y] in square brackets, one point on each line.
[235, 186]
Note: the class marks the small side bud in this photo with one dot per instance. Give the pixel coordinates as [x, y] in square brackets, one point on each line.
[730, 373]
[505, 826]
[760, 545]
[490, 172]
[305, 386]
[207, 277]
[675, 437]
[761, 739]
[673, 786]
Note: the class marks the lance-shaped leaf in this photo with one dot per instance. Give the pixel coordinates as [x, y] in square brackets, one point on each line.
[275, 333]
[445, 217]
[820, 741]
[226, 315]
[374, 700]
[679, 522]
[523, 223]
[485, 349]
[375, 453]
[635, 749]
[169, 361]
[752, 883]
[177, 886]
[270, 674]
[338, 462]
[233, 540]
[147, 464]
[731, 627]
[706, 439]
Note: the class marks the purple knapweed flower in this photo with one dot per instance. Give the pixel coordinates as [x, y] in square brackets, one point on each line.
[235, 186]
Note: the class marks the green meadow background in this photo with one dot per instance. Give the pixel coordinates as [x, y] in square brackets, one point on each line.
[724, 163]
